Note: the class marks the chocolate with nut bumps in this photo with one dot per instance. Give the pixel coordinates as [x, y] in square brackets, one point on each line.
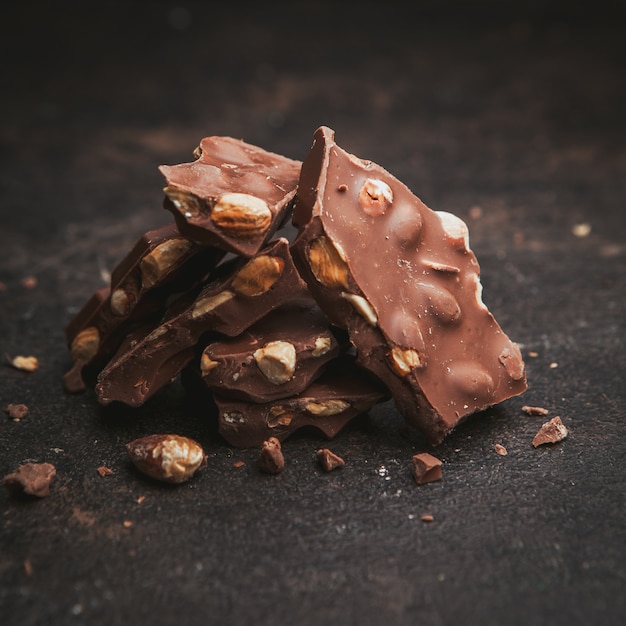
[234, 196]
[403, 281]
[342, 393]
[277, 357]
[240, 293]
[160, 264]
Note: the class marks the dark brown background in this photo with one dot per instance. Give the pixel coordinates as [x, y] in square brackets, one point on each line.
[520, 112]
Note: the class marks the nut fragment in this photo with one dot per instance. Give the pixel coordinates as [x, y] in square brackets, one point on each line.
[534, 410]
[207, 364]
[329, 460]
[500, 449]
[258, 275]
[122, 301]
[552, 431]
[32, 479]
[168, 458]
[375, 197]
[327, 407]
[158, 263]
[186, 203]
[86, 344]
[241, 215]
[404, 360]
[25, 363]
[205, 305]
[426, 468]
[326, 263]
[277, 361]
[362, 306]
[322, 346]
[271, 459]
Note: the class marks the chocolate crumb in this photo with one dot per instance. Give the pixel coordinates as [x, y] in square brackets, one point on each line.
[104, 471]
[426, 468]
[500, 449]
[271, 459]
[329, 460]
[28, 567]
[550, 432]
[534, 410]
[239, 464]
[29, 282]
[32, 479]
[427, 518]
[16, 412]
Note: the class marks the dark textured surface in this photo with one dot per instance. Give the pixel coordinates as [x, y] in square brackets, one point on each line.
[521, 115]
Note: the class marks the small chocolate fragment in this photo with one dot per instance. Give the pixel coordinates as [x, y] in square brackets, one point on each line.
[329, 460]
[271, 459]
[243, 292]
[31, 479]
[277, 357]
[401, 279]
[167, 457]
[329, 404]
[160, 264]
[234, 196]
[552, 431]
[16, 412]
[426, 468]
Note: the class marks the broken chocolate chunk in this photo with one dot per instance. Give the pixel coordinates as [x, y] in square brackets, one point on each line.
[161, 263]
[552, 431]
[426, 468]
[328, 460]
[403, 281]
[234, 196]
[242, 293]
[271, 458]
[277, 357]
[328, 405]
[31, 479]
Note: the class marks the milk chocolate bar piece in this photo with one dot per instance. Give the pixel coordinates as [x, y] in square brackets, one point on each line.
[243, 291]
[161, 263]
[404, 283]
[277, 357]
[234, 196]
[329, 404]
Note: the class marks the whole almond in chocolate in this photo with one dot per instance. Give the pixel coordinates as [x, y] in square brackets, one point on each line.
[403, 281]
[277, 357]
[234, 196]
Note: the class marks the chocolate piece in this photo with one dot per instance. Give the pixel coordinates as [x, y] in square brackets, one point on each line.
[277, 357]
[329, 460]
[242, 292]
[16, 412]
[271, 459]
[404, 283]
[234, 196]
[426, 468]
[161, 263]
[31, 479]
[339, 395]
[552, 431]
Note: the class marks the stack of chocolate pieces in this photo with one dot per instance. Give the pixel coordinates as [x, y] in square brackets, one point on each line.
[376, 297]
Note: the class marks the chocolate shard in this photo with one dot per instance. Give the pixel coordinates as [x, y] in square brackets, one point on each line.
[403, 281]
[277, 357]
[234, 196]
[241, 292]
[161, 263]
[328, 405]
